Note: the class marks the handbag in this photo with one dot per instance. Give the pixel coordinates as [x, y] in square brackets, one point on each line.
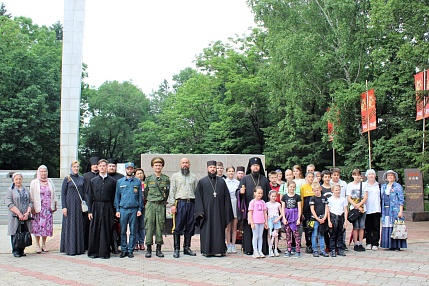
[354, 214]
[22, 238]
[399, 230]
[83, 203]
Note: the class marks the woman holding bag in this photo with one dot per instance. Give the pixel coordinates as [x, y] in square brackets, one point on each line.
[72, 239]
[42, 192]
[392, 206]
[19, 203]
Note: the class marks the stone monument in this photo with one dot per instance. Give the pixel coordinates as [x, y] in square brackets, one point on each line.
[414, 196]
[74, 20]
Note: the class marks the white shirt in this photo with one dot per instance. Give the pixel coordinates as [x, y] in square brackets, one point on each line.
[373, 203]
[343, 186]
[353, 190]
[232, 187]
[336, 205]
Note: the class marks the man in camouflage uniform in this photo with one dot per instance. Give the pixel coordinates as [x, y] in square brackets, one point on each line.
[156, 194]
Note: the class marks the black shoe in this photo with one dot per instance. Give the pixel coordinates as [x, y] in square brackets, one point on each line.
[316, 254]
[333, 253]
[345, 248]
[23, 254]
[17, 255]
[176, 253]
[308, 249]
[130, 255]
[356, 248]
[341, 252]
[105, 257]
[123, 254]
[324, 254]
[158, 251]
[362, 248]
[188, 251]
[148, 251]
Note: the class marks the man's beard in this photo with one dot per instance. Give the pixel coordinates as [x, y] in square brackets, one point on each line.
[212, 175]
[185, 171]
[129, 174]
[255, 173]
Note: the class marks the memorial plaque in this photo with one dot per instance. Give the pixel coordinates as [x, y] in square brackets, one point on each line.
[414, 190]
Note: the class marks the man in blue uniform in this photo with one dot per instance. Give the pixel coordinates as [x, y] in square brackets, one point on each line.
[128, 205]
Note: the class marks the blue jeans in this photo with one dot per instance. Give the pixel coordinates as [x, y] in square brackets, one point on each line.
[128, 217]
[316, 236]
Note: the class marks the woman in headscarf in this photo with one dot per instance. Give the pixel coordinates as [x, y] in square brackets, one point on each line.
[42, 192]
[72, 240]
[19, 203]
[392, 206]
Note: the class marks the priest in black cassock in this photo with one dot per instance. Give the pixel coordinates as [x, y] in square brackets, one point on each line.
[213, 212]
[255, 176]
[101, 195]
[91, 172]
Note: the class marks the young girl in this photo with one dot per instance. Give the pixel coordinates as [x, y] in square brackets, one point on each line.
[231, 228]
[298, 178]
[337, 220]
[274, 225]
[291, 212]
[258, 221]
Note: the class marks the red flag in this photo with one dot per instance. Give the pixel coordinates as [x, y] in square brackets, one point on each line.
[419, 85]
[368, 111]
[426, 111]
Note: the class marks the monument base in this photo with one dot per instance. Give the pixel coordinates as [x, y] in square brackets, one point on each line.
[416, 216]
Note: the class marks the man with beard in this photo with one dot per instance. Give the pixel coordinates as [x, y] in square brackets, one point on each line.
[116, 235]
[240, 173]
[213, 212]
[182, 202]
[255, 177]
[156, 194]
[129, 206]
[101, 195]
[91, 172]
[112, 165]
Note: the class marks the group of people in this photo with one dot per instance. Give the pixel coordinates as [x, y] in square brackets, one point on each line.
[102, 205]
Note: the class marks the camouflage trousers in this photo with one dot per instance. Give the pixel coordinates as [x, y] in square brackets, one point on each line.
[154, 222]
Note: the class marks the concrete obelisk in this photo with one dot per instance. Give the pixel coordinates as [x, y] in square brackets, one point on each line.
[74, 20]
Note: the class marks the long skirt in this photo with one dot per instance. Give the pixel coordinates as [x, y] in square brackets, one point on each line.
[387, 242]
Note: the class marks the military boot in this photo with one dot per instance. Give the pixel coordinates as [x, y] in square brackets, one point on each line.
[176, 238]
[148, 251]
[158, 251]
[186, 247]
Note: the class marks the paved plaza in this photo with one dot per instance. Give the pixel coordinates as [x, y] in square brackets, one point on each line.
[408, 267]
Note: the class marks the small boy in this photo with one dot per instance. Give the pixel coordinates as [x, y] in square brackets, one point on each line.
[335, 179]
[306, 194]
[272, 176]
[219, 170]
[319, 213]
[336, 220]
[326, 186]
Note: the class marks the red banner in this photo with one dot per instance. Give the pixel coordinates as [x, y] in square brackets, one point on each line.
[419, 85]
[330, 129]
[368, 111]
[426, 113]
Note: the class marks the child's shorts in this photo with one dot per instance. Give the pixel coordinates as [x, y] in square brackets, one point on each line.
[272, 224]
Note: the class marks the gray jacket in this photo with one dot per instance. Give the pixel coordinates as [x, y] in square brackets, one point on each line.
[13, 199]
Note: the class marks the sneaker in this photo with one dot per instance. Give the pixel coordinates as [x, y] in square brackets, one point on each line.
[368, 247]
[361, 247]
[324, 254]
[271, 254]
[375, 247]
[255, 255]
[293, 251]
[333, 253]
[261, 255]
[345, 248]
[341, 252]
[356, 248]
[308, 249]
[276, 253]
[229, 250]
[315, 254]
[287, 254]
[233, 249]
[297, 255]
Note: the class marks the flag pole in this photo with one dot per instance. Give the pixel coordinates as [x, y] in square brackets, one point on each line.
[367, 122]
[424, 109]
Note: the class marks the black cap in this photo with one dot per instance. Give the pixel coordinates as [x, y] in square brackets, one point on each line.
[211, 163]
[240, 169]
[92, 161]
[255, 160]
[112, 161]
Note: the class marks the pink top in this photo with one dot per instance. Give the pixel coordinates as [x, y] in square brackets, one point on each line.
[259, 208]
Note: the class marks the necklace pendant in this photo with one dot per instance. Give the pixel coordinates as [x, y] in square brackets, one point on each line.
[214, 194]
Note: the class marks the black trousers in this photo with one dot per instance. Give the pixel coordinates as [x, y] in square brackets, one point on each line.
[184, 218]
[372, 228]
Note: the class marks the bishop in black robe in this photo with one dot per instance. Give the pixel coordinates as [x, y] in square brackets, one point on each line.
[101, 196]
[255, 177]
[213, 212]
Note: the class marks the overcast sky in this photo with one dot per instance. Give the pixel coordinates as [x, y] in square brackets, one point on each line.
[145, 41]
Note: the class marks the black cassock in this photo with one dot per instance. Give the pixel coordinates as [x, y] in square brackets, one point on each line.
[213, 212]
[87, 177]
[100, 196]
[250, 185]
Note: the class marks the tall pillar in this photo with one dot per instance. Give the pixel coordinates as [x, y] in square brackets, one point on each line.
[74, 20]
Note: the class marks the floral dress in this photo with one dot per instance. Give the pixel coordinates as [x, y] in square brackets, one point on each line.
[43, 221]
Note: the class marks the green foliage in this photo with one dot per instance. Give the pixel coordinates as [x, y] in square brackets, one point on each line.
[29, 94]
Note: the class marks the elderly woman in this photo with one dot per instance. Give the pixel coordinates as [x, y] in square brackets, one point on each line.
[19, 203]
[42, 192]
[373, 211]
[72, 190]
[392, 206]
